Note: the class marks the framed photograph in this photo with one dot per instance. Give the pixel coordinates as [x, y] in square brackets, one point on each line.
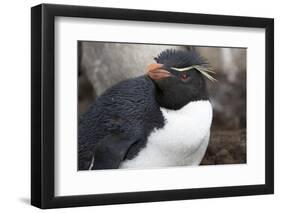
[139, 106]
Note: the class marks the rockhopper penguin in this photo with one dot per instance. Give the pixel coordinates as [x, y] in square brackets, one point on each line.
[160, 119]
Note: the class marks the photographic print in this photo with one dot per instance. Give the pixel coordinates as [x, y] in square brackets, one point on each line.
[154, 106]
[155, 113]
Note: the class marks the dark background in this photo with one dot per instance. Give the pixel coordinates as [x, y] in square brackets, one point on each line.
[101, 65]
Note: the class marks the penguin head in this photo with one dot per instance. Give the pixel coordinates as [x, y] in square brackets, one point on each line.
[182, 78]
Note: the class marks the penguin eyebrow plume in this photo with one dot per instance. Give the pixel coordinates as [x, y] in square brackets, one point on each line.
[202, 69]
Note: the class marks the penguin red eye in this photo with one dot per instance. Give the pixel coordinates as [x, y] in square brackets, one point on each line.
[184, 77]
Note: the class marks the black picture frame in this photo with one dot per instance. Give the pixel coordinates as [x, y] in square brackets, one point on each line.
[43, 102]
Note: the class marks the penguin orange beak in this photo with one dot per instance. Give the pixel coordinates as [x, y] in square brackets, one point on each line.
[155, 72]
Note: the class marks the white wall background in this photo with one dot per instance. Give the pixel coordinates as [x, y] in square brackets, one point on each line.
[15, 105]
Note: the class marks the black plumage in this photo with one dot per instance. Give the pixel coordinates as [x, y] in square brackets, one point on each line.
[179, 58]
[127, 112]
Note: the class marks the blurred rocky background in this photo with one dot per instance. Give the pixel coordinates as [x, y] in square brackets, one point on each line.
[101, 65]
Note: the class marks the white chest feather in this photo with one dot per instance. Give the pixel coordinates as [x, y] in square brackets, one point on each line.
[181, 142]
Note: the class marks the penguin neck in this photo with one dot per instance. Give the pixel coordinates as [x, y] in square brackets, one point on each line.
[173, 99]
